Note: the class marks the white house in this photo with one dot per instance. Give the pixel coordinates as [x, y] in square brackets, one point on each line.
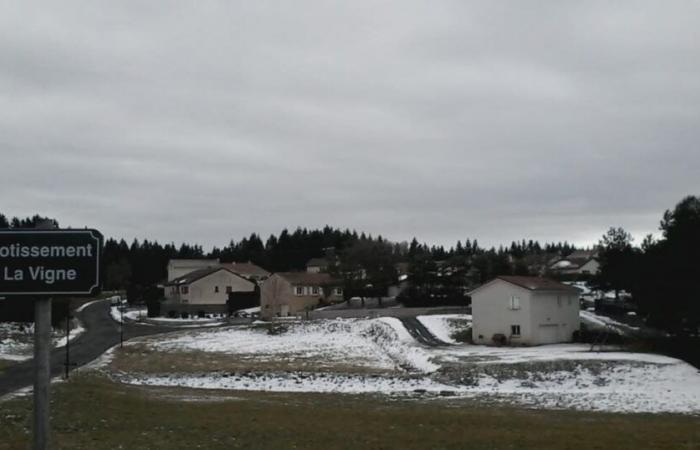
[581, 262]
[204, 290]
[524, 311]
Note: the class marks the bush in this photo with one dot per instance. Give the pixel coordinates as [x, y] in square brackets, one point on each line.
[172, 314]
[464, 335]
[201, 314]
[185, 315]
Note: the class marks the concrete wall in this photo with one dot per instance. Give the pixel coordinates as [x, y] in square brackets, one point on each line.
[203, 291]
[491, 313]
[555, 317]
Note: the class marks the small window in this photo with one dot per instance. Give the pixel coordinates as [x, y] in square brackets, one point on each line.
[216, 289]
[184, 289]
[229, 289]
[299, 290]
[514, 302]
[314, 290]
[515, 330]
[338, 291]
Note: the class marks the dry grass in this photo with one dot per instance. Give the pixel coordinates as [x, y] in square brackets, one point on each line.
[91, 412]
[139, 358]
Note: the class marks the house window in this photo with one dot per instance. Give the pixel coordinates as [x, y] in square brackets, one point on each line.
[338, 291]
[299, 290]
[216, 289]
[184, 290]
[515, 330]
[314, 290]
[514, 302]
[229, 289]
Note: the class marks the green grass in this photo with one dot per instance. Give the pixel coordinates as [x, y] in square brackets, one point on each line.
[92, 412]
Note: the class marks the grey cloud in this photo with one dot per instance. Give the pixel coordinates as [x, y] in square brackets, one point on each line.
[444, 120]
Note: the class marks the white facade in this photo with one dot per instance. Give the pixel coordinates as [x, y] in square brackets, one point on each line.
[524, 316]
[212, 289]
[180, 267]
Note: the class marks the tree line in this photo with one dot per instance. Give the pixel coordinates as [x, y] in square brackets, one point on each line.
[661, 274]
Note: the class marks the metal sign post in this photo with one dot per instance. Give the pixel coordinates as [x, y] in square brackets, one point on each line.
[39, 264]
[42, 371]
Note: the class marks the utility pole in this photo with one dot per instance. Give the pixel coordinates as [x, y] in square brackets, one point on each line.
[121, 323]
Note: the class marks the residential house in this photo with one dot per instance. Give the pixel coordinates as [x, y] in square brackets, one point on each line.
[580, 262]
[291, 293]
[524, 311]
[204, 290]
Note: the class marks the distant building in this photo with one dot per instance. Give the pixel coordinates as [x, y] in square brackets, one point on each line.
[179, 267]
[291, 293]
[580, 262]
[524, 311]
[248, 270]
[203, 290]
[317, 265]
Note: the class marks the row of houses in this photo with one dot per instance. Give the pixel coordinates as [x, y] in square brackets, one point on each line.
[196, 286]
[513, 310]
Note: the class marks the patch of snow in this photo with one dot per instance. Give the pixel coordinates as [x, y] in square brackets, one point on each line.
[17, 339]
[295, 382]
[368, 343]
[599, 321]
[443, 326]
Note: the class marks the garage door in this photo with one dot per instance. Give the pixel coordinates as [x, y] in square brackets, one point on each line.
[549, 333]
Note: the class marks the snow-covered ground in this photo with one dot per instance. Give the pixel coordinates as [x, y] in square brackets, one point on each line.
[141, 314]
[363, 343]
[444, 326]
[17, 339]
[597, 321]
[552, 376]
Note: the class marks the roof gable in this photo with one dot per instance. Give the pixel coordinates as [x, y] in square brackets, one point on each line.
[535, 284]
[198, 274]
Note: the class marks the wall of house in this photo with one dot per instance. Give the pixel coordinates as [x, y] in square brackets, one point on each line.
[203, 291]
[491, 313]
[555, 317]
[278, 298]
[273, 292]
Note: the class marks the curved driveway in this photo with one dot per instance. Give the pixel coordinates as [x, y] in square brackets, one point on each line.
[101, 333]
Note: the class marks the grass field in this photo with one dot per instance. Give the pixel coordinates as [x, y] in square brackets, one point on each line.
[92, 412]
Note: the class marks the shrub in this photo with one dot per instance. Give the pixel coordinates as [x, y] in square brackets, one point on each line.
[464, 335]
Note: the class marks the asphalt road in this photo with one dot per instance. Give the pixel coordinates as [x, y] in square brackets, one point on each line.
[101, 333]
[420, 333]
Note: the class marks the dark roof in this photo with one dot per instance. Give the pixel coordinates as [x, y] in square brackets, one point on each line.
[320, 262]
[246, 269]
[309, 278]
[537, 283]
[198, 274]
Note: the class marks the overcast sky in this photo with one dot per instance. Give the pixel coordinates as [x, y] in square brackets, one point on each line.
[206, 121]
